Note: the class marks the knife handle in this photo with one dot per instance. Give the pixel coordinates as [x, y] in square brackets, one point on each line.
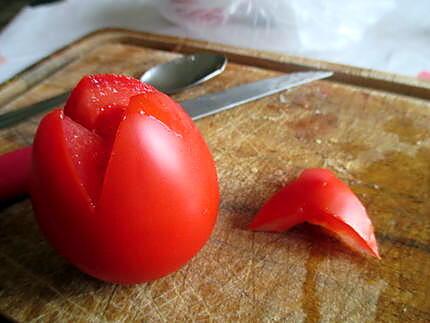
[15, 170]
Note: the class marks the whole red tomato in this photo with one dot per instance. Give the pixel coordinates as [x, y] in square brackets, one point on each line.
[123, 185]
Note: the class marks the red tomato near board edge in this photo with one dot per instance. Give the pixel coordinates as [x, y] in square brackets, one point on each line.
[127, 189]
[318, 197]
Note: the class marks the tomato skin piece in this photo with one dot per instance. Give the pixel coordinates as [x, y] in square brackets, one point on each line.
[318, 197]
[128, 203]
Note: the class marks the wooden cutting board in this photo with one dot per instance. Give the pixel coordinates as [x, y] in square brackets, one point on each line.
[371, 128]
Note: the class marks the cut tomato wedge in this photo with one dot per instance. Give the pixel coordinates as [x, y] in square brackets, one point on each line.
[318, 197]
[89, 154]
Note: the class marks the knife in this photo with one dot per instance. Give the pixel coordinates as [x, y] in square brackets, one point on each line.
[15, 166]
[197, 108]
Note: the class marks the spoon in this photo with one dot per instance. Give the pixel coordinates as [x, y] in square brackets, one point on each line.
[184, 72]
[171, 77]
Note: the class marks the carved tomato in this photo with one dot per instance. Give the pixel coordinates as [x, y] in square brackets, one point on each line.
[123, 184]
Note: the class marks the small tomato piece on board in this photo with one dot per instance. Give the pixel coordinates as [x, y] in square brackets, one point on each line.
[318, 197]
[127, 193]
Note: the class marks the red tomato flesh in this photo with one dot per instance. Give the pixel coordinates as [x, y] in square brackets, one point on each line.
[88, 153]
[95, 92]
[318, 197]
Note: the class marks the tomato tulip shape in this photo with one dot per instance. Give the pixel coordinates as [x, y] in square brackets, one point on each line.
[123, 184]
[318, 197]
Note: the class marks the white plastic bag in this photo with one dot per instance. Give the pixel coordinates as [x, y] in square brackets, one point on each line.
[305, 25]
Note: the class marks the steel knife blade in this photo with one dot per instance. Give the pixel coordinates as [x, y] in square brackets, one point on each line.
[197, 108]
[213, 103]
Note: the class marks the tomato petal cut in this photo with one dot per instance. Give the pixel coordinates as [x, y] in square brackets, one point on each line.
[159, 190]
[89, 155]
[93, 92]
[60, 201]
[162, 108]
[108, 122]
[318, 197]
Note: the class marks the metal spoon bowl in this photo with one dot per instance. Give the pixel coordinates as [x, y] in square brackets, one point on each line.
[171, 77]
[185, 72]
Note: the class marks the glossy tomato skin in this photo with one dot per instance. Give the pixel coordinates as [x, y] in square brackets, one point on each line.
[318, 197]
[152, 204]
[62, 207]
[174, 183]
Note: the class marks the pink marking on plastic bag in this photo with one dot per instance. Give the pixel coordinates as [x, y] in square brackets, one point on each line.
[424, 75]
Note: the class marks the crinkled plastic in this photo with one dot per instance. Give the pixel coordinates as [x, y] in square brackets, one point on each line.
[305, 25]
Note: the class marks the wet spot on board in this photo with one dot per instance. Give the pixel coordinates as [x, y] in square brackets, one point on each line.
[274, 107]
[406, 130]
[400, 172]
[314, 126]
[353, 148]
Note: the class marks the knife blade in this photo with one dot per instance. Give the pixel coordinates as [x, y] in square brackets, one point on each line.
[197, 108]
[213, 103]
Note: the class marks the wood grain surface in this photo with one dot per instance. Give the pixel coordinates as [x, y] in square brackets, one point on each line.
[377, 141]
